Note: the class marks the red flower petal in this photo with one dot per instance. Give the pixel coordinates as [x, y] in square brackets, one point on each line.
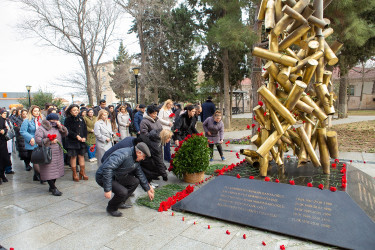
[194, 222]
[260, 103]
[277, 180]
[259, 130]
[209, 227]
[344, 165]
[321, 186]
[248, 126]
[309, 184]
[267, 178]
[334, 165]
[337, 160]
[238, 176]
[282, 247]
[251, 177]
[291, 182]
[333, 189]
[244, 236]
[227, 232]
[264, 243]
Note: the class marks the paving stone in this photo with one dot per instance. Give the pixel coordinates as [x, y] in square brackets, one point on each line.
[10, 211]
[96, 234]
[152, 235]
[181, 243]
[35, 218]
[90, 197]
[37, 237]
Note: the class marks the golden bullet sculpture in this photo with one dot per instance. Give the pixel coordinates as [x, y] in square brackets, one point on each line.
[296, 93]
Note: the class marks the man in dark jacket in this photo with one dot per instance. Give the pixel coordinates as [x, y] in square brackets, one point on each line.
[102, 105]
[208, 108]
[127, 142]
[138, 117]
[113, 175]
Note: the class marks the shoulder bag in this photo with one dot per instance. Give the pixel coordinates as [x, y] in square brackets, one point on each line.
[41, 155]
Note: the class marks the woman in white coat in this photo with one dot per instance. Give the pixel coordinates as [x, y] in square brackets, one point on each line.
[123, 120]
[166, 118]
[104, 135]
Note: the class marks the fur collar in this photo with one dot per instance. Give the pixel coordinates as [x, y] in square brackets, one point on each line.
[46, 124]
[149, 118]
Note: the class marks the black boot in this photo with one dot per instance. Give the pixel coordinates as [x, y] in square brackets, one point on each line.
[36, 177]
[56, 192]
[28, 167]
[3, 178]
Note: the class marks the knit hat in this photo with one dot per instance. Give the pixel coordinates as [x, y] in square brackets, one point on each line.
[143, 148]
[2, 111]
[52, 116]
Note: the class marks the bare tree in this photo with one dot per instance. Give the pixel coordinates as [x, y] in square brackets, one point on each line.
[366, 67]
[144, 11]
[77, 27]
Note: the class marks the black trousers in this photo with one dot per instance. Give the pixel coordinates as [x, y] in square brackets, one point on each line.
[219, 148]
[122, 188]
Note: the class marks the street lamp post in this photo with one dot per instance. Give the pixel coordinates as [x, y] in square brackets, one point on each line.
[136, 72]
[28, 87]
[72, 98]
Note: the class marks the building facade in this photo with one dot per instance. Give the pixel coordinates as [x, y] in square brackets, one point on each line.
[359, 85]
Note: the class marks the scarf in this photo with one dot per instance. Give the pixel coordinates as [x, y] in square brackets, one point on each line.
[37, 122]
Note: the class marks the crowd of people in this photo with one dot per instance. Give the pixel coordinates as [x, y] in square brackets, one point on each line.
[130, 146]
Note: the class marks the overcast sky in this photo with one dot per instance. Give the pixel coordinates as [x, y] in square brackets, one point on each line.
[23, 62]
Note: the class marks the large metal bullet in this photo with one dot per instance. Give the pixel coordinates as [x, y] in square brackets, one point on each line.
[294, 95]
[317, 55]
[259, 114]
[264, 162]
[308, 147]
[278, 12]
[294, 36]
[329, 55]
[276, 104]
[262, 10]
[317, 111]
[270, 141]
[276, 57]
[269, 21]
[327, 77]
[310, 70]
[286, 19]
[332, 144]
[273, 42]
[336, 46]
[306, 13]
[323, 150]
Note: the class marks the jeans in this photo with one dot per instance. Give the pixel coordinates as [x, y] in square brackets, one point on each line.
[122, 188]
[167, 151]
[89, 153]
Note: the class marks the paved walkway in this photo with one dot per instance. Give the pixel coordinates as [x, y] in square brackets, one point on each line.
[31, 218]
[242, 133]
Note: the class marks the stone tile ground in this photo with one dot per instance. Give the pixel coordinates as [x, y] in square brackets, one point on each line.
[31, 218]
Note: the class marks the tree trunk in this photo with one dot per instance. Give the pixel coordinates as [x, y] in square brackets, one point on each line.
[88, 80]
[227, 124]
[256, 75]
[142, 82]
[98, 86]
[363, 84]
[343, 99]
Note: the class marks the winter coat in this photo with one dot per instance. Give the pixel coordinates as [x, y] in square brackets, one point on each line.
[75, 126]
[184, 126]
[165, 119]
[153, 166]
[138, 117]
[102, 131]
[4, 156]
[118, 164]
[55, 169]
[215, 128]
[20, 141]
[149, 124]
[90, 123]
[128, 142]
[123, 124]
[27, 131]
[208, 109]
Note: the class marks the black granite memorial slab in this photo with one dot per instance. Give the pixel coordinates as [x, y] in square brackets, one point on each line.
[310, 213]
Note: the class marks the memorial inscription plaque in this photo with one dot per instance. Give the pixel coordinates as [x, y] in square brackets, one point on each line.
[318, 215]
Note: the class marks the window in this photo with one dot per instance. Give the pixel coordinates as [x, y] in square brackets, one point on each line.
[103, 69]
[105, 97]
[351, 90]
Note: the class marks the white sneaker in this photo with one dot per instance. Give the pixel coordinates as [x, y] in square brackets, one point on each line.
[154, 185]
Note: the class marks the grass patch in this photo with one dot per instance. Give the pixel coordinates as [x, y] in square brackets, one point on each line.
[211, 169]
[361, 112]
[161, 194]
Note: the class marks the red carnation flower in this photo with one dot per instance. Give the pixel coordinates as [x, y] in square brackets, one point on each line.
[351, 160]
[172, 214]
[267, 178]
[238, 176]
[334, 165]
[291, 182]
[118, 134]
[209, 227]
[265, 113]
[343, 185]
[172, 115]
[309, 184]
[264, 243]
[254, 118]
[282, 247]
[337, 160]
[333, 189]
[277, 180]
[244, 236]
[251, 177]
[253, 125]
[343, 170]
[194, 222]
[321, 186]
[288, 157]
[260, 103]
[248, 126]
[227, 232]
[344, 165]
[364, 162]
[259, 129]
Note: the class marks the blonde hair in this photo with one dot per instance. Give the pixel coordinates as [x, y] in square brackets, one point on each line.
[101, 113]
[122, 107]
[30, 114]
[169, 101]
[165, 134]
[217, 113]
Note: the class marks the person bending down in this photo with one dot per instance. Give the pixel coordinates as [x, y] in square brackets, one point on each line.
[113, 175]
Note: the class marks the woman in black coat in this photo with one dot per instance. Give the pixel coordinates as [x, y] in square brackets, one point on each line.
[185, 124]
[154, 166]
[75, 141]
[20, 141]
[4, 155]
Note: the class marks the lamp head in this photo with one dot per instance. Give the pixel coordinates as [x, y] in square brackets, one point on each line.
[135, 71]
[28, 87]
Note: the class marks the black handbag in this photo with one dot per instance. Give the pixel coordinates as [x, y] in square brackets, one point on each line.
[10, 134]
[41, 155]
